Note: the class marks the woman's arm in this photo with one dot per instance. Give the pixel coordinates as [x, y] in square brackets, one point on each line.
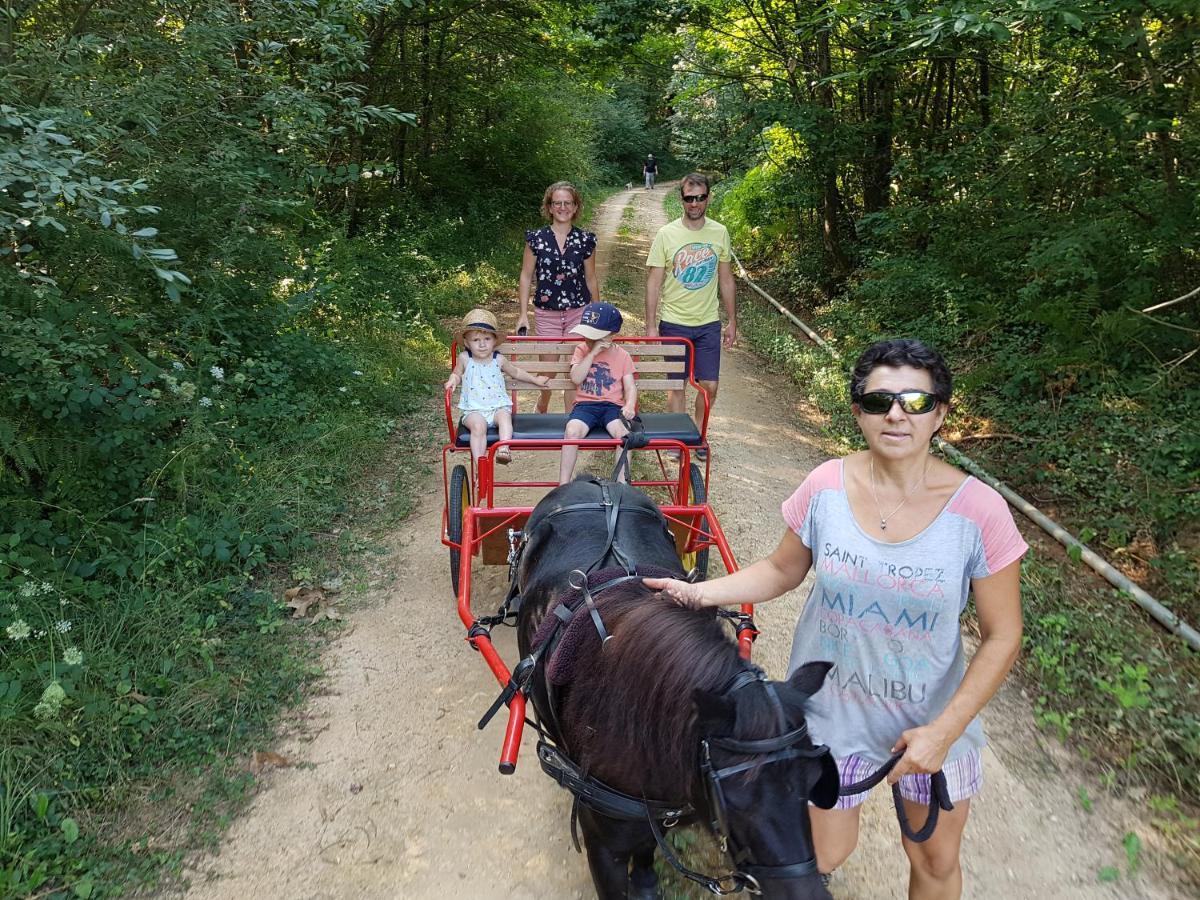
[777, 574]
[523, 286]
[998, 606]
[589, 276]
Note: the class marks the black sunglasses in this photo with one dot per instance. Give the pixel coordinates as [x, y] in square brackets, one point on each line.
[694, 198]
[877, 403]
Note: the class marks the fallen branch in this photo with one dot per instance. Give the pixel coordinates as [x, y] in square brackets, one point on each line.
[1187, 296]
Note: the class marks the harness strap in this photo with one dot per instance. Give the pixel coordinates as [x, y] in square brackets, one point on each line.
[939, 798]
[598, 796]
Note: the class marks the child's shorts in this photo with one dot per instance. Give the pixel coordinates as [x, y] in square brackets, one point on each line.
[964, 779]
[595, 414]
[489, 415]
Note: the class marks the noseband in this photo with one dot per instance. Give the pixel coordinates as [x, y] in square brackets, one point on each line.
[747, 873]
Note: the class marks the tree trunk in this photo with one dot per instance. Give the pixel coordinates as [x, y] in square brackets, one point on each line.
[831, 200]
[877, 167]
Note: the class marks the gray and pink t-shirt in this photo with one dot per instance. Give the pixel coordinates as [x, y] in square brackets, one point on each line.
[886, 615]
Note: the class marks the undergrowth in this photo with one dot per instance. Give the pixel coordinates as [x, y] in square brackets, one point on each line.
[144, 647]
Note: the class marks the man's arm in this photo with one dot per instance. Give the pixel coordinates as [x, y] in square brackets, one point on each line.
[655, 275]
[728, 289]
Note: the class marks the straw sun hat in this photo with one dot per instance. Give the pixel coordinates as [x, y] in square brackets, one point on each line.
[478, 320]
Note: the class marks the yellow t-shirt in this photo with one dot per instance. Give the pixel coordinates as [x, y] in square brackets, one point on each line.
[690, 291]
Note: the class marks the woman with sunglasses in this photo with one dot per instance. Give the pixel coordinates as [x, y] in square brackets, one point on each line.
[896, 540]
[559, 267]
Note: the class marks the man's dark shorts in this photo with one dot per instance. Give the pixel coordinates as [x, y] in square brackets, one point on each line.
[707, 341]
[595, 414]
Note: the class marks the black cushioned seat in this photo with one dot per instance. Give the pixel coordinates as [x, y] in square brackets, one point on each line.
[550, 426]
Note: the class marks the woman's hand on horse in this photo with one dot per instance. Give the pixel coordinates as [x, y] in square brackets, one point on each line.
[682, 592]
[925, 750]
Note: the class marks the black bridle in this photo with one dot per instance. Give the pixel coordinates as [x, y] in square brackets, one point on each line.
[747, 874]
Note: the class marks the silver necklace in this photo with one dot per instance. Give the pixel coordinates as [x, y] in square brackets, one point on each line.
[883, 520]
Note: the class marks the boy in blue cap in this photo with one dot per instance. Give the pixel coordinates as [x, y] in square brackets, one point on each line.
[603, 375]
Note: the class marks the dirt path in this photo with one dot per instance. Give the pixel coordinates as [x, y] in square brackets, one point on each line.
[397, 793]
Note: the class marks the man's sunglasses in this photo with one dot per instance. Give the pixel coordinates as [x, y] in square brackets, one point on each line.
[694, 198]
[877, 403]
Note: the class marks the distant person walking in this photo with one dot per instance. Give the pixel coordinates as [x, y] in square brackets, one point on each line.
[559, 272]
[650, 171]
[688, 262]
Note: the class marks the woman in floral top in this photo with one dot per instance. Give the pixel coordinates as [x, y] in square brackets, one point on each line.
[563, 258]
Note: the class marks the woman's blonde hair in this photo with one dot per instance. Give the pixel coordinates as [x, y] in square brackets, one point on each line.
[562, 186]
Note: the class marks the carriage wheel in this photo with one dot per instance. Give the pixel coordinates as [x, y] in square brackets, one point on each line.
[460, 499]
[699, 559]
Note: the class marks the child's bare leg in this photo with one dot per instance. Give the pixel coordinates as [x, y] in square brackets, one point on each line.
[504, 427]
[575, 429]
[618, 430]
[477, 425]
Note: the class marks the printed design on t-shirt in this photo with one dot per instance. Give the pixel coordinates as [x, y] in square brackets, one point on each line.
[694, 265]
[863, 599]
[599, 380]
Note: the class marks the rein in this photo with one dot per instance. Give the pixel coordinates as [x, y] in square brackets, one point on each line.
[939, 798]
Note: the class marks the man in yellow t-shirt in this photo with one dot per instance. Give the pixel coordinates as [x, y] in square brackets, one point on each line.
[688, 262]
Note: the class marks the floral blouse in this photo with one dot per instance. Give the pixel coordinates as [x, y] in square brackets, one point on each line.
[560, 277]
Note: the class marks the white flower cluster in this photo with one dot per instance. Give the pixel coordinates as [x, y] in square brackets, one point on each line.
[18, 630]
[29, 589]
[205, 401]
[73, 656]
[217, 372]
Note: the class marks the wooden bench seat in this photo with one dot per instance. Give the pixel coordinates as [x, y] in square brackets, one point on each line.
[653, 362]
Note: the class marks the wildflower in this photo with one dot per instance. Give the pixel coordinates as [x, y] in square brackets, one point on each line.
[205, 401]
[73, 656]
[13, 607]
[343, 390]
[356, 373]
[177, 366]
[187, 390]
[18, 630]
[62, 602]
[28, 589]
[156, 394]
[62, 626]
[51, 702]
[217, 372]
[40, 633]
[46, 587]
[239, 378]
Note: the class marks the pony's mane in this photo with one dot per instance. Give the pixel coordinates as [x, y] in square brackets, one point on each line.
[629, 712]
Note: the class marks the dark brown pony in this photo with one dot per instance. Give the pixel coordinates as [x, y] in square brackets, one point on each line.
[632, 711]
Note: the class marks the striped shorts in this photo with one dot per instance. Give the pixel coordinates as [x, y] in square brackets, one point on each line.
[964, 778]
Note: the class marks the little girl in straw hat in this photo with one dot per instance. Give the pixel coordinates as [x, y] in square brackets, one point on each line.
[480, 369]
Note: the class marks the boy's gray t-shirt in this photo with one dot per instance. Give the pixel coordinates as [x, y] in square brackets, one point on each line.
[887, 615]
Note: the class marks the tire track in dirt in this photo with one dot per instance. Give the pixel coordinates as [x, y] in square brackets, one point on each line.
[431, 817]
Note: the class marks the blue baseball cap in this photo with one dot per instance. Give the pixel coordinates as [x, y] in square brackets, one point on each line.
[599, 321]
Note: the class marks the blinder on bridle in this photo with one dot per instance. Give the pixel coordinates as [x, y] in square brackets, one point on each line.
[747, 874]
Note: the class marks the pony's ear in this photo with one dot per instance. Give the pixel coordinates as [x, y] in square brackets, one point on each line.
[823, 782]
[807, 679]
[715, 713]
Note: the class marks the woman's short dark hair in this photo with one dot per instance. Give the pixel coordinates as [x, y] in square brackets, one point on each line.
[902, 352]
